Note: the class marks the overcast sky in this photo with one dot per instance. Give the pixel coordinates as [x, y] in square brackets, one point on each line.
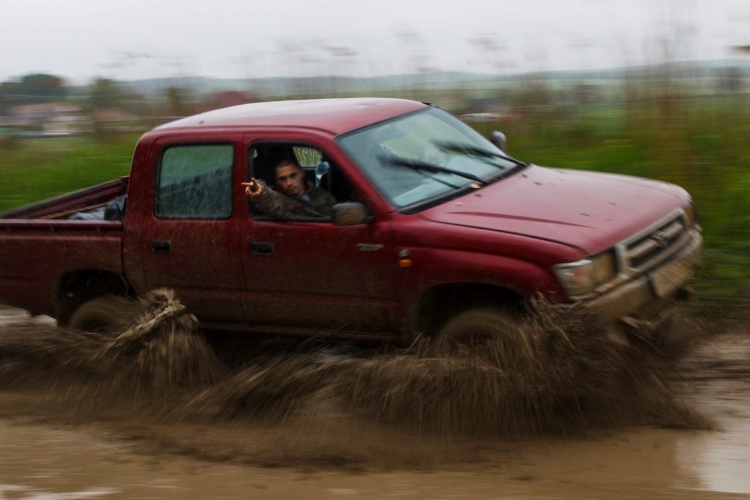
[81, 39]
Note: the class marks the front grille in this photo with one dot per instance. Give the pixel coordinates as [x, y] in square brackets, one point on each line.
[651, 246]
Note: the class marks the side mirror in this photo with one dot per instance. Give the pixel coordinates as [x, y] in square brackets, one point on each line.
[499, 140]
[350, 214]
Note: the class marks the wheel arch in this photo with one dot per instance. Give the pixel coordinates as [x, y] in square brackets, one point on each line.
[81, 285]
[441, 302]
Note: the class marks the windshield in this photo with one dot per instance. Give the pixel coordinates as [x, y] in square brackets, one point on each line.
[397, 156]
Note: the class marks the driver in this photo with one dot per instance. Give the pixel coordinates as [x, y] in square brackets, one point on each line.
[292, 196]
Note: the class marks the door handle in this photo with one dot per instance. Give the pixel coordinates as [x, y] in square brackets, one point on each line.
[261, 248]
[161, 246]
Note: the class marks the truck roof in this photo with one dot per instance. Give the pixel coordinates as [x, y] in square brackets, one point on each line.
[335, 116]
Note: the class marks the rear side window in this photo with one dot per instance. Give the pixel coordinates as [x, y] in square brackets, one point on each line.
[307, 157]
[195, 182]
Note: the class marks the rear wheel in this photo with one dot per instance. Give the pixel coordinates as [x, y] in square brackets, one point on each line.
[103, 314]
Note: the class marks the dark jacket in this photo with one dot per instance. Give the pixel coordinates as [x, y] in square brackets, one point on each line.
[317, 202]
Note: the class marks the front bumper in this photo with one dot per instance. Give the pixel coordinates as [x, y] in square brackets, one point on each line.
[648, 299]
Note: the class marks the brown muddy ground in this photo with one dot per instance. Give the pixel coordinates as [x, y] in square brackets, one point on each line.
[65, 437]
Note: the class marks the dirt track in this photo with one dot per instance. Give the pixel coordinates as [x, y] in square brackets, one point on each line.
[52, 449]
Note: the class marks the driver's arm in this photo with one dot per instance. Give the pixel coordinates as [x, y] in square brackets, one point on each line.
[266, 200]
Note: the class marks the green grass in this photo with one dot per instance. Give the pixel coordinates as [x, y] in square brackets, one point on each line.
[35, 169]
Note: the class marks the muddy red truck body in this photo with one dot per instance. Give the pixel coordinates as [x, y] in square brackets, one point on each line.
[625, 245]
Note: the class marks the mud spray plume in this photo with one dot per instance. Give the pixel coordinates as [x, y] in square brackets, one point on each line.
[565, 377]
[156, 346]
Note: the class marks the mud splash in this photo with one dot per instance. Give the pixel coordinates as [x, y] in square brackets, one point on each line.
[307, 406]
[157, 346]
[565, 378]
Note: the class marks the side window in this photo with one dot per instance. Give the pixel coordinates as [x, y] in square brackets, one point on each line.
[325, 184]
[195, 182]
[307, 157]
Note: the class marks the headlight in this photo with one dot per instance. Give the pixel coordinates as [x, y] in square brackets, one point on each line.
[584, 276]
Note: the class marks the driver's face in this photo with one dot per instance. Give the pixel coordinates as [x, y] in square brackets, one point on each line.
[291, 180]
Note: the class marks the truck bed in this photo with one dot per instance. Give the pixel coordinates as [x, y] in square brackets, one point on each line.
[39, 245]
[62, 207]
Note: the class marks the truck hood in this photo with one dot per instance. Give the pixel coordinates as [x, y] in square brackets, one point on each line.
[588, 210]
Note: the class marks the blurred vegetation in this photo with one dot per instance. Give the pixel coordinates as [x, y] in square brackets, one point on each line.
[31, 89]
[36, 169]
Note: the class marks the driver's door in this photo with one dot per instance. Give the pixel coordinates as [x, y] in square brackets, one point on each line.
[316, 275]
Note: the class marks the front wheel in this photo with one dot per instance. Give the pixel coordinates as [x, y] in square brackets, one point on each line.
[490, 332]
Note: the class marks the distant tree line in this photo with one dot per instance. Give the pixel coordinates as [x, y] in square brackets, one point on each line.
[32, 89]
[102, 93]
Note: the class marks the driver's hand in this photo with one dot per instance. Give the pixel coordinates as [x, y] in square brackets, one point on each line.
[253, 188]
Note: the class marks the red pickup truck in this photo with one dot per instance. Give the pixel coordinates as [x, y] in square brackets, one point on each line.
[437, 230]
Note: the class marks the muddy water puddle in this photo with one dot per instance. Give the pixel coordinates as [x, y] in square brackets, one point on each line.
[45, 461]
[123, 450]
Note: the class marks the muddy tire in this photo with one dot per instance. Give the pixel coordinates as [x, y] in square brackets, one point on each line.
[489, 331]
[102, 315]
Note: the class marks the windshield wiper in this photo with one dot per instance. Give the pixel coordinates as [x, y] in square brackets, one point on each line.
[455, 147]
[421, 166]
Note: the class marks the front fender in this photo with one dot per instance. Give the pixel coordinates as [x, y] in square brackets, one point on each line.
[435, 267]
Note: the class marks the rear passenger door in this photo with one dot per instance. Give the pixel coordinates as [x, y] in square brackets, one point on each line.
[189, 242]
